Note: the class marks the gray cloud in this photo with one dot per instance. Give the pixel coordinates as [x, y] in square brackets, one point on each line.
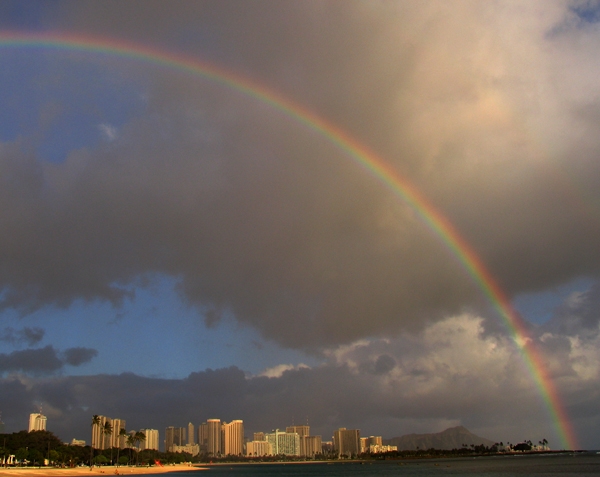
[79, 356]
[484, 108]
[43, 361]
[28, 336]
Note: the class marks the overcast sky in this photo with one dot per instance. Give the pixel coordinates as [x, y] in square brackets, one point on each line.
[174, 250]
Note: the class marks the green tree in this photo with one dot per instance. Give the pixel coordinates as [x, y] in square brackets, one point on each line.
[53, 456]
[21, 454]
[96, 422]
[36, 457]
[107, 430]
[101, 459]
[122, 434]
[131, 444]
[138, 438]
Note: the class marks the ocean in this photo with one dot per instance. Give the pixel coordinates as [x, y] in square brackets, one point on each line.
[579, 464]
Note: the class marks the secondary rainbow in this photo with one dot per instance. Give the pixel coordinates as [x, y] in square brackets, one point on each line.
[359, 153]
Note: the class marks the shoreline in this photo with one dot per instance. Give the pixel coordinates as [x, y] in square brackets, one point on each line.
[95, 471]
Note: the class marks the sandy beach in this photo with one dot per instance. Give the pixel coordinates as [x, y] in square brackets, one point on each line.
[107, 471]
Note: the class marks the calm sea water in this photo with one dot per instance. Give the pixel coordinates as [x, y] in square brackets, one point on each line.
[583, 464]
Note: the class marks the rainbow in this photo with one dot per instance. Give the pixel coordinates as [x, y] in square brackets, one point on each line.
[355, 150]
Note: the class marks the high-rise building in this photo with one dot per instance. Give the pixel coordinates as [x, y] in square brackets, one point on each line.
[118, 439]
[259, 436]
[300, 430]
[258, 448]
[99, 438]
[310, 446]
[214, 437]
[346, 441]
[233, 437]
[174, 436]
[203, 437]
[364, 444]
[191, 434]
[37, 422]
[151, 441]
[284, 443]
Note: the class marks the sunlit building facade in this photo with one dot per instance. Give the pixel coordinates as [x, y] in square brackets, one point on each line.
[346, 442]
[151, 441]
[37, 422]
[214, 437]
[233, 437]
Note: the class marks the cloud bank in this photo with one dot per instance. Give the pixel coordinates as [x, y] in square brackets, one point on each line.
[489, 109]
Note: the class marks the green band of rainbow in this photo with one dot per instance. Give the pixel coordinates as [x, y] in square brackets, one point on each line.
[359, 153]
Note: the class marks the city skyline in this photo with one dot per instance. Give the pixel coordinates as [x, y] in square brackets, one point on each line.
[380, 215]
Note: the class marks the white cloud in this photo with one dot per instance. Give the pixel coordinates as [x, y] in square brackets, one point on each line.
[110, 132]
[277, 371]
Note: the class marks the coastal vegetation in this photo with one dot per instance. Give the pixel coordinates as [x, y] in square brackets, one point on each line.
[38, 447]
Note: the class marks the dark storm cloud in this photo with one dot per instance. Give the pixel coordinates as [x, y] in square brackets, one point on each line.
[43, 361]
[261, 218]
[79, 356]
[36, 361]
[27, 336]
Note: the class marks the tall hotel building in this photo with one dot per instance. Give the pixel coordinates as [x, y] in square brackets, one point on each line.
[203, 437]
[101, 440]
[233, 437]
[213, 441]
[346, 441]
[285, 443]
[309, 445]
[37, 422]
[174, 436]
[118, 441]
[151, 441]
[191, 434]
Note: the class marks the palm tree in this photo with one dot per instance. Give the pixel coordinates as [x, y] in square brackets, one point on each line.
[130, 443]
[122, 433]
[107, 430]
[138, 437]
[95, 422]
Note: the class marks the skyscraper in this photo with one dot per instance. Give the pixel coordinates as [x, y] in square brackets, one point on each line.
[37, 422]
[117, 440]
[151, 441]
[203, 437]
[174, 436]
[99, 440]
[300, 430]
[191, 434]
[214, 437]
[233, 437]
[285, 443]
[303, 432]
[346, 441]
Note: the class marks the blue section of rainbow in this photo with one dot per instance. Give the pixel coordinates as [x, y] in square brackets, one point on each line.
[359, 153]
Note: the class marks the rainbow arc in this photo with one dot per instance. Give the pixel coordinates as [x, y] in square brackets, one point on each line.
[359, 153]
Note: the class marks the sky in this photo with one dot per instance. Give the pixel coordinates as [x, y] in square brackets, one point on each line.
[176, 246]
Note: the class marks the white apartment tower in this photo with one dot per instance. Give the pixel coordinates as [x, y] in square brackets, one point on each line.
[213, 443]
[151, 441]
[233, 437]
[37, 422]
[117, 440]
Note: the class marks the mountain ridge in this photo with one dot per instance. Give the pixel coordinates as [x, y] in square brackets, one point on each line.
[451, 438]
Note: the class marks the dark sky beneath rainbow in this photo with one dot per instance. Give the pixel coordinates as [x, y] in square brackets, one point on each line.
[253, 210]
